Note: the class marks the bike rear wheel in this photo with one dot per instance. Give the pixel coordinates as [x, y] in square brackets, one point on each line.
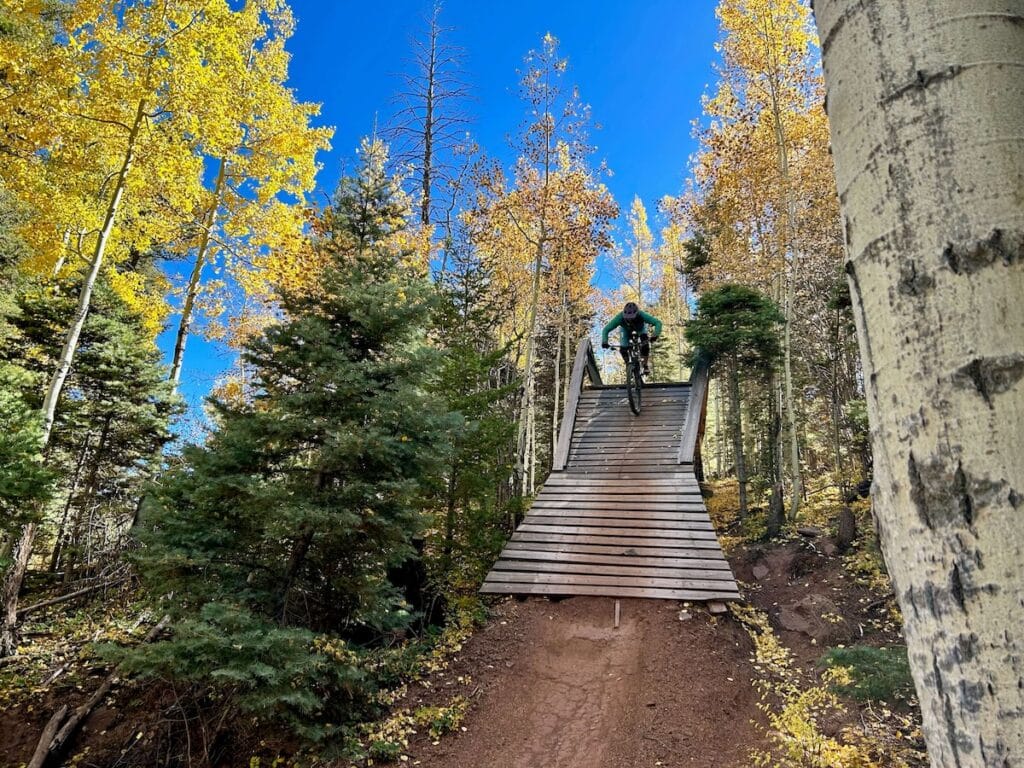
[634, 385]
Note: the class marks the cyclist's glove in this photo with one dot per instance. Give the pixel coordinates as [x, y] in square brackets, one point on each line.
[605, 345]
[654, 337]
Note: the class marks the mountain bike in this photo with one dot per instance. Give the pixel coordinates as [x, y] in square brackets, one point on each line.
[634, 371]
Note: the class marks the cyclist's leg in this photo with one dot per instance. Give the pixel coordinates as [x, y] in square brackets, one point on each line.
[645, 352]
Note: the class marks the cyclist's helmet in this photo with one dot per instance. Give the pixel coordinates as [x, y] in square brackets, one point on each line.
[630, 311]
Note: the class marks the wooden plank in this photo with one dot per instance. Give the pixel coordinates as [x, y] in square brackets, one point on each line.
[607, 422]
[572, 478]
[584, 440]
[620, 431]
[585, 497]
[626, 473]
[651, 542]
[567, 513]
[619, 390]
[716, 577]
[691, 595]
[572, 507]
[621, 412]
[596, 499]
[616, 396]
[518, 551]
[608, 504]
[619, 550]
[588, 481]
[688, 440]
[620, 522]
[611, 462]
[614, 486]
[617, 512]
[668, 534]
[618, 443]
[648, 414]
[621, 498]
[606, 446]
[603, 580]
[624, 453]
[672, 472]
[569, 413]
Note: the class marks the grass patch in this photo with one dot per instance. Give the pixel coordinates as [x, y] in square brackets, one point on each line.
[874, 674]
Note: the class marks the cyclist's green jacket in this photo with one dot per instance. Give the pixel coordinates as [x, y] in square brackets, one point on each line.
[642, 321]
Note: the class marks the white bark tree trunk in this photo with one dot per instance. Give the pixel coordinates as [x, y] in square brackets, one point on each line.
[927, 121]
[15, 575]
[85, 295]
[188, 307]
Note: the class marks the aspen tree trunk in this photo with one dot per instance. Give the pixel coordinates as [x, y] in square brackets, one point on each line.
[185, 324]
[791, 261]
[65, 243]
[528, 379]
[85, 296]
[563, 332]
[788, 298]
[736, 428]
[719, 435]
[927, 121]
[23, 549]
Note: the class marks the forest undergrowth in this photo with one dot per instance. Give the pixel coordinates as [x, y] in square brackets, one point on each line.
[831, 662]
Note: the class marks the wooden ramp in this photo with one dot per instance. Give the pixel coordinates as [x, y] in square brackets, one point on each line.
[622, 514]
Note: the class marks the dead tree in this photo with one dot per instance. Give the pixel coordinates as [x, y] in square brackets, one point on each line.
[430, 124]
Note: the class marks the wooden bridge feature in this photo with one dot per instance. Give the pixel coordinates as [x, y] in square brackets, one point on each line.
[621, 515]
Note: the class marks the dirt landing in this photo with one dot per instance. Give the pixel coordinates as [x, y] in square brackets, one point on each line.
[561, 687]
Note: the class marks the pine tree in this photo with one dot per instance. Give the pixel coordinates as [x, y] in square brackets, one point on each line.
[277, 534]
[735, 327]
[25, 483]
[114, 417]
[471, 509]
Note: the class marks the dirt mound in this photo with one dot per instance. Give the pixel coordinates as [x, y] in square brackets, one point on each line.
[559, 685]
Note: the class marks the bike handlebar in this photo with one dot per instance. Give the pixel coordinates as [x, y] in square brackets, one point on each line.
[627, 346]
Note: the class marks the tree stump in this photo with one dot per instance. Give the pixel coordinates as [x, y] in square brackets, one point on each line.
[847, 529]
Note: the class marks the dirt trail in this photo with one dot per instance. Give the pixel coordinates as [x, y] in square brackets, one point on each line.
[560, 687]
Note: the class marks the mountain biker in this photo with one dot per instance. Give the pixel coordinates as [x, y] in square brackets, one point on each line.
[631, 319]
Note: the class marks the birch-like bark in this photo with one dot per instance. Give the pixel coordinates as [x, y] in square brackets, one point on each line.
[188, 307]
[528, 378]
[736, 428]
[789, 277]
[927, 120]
[556, 390]
[15, 575]
[85, 295]
[719, 436]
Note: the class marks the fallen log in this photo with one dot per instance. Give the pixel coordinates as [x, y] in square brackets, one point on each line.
[42, 748]
[52, 739]
[22, 612]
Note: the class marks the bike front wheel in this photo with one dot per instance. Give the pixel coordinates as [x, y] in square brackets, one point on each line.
[634, 385]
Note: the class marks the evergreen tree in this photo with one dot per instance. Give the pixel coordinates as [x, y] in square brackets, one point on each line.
[277, 534]
[736, 327]
[115, 412]
[24, 482]
[471, 507]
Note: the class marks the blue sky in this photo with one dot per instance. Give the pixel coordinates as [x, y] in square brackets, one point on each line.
[642, 65]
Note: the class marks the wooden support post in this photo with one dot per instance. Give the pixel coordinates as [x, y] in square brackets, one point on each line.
[616, 614]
